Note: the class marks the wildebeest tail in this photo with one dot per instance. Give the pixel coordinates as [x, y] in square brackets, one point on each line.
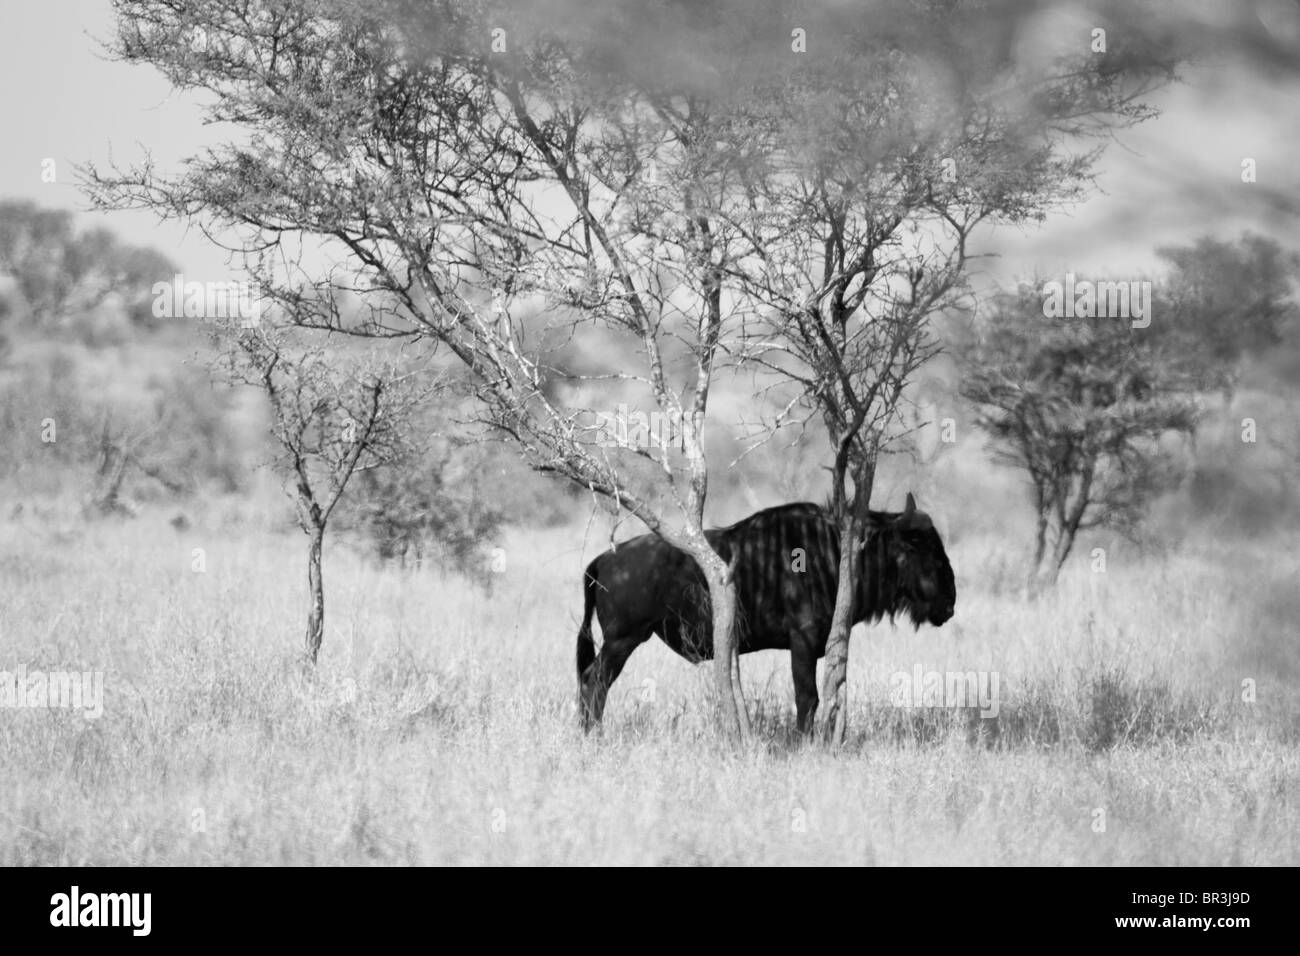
[587, 646]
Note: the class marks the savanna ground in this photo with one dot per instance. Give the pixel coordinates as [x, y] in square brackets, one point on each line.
[440, 727]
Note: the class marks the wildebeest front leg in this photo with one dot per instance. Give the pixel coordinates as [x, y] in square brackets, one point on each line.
[803, 667]
[600, 676]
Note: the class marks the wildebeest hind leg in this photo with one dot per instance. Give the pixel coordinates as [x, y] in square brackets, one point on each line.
[803, 667]
[604, 670]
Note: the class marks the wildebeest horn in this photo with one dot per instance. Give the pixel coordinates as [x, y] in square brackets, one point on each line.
[911, 518]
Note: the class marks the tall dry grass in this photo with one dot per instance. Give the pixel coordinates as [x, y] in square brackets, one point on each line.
[440, 727]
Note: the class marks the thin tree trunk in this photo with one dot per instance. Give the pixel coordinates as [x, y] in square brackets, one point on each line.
[1040, 541]
[850, 514]
[835, 677]
[316, 589]
[1068, 522]
[738, 693]
[733, 717]
[1042, 507]
[1045, 570]
[1044, 578]
[1065, 544]
[1041, 576]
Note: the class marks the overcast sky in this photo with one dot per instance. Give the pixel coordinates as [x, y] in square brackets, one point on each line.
[1169, 180]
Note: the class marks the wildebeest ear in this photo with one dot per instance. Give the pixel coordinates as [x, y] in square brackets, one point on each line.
[910, 508]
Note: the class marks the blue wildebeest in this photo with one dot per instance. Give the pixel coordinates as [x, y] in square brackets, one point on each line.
[786, 565]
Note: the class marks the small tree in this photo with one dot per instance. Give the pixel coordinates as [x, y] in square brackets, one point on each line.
[121, 447]
[1228, 300]
[492, 194]
[869, 168]
[333, 416]
[63, 273]
[431, 504]
[1081, 405]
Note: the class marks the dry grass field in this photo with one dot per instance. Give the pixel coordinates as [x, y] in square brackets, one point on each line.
[440, 727]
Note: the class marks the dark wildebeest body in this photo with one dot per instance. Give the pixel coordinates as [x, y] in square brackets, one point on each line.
[786, 566]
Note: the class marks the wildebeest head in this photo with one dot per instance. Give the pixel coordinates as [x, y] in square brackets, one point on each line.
[906, 568]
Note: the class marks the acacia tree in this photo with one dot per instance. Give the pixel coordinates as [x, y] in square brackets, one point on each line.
[1225, 300]
[879, 157]
[333, 417]
[492, 198]
[1081, 406]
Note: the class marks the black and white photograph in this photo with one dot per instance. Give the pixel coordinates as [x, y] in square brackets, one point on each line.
[650, 433]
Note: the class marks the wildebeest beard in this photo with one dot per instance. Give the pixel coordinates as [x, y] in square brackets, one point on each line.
[906, 572]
